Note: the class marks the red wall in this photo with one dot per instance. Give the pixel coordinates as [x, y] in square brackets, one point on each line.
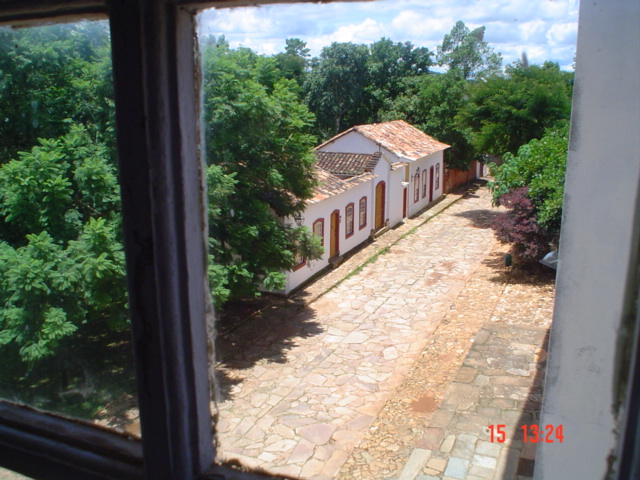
[454, 178]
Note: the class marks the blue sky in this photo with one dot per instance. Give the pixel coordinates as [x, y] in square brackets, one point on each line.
[544, 29]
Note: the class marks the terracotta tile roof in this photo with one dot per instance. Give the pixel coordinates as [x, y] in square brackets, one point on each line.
[398, 137]
[330, 185]
[348, 164]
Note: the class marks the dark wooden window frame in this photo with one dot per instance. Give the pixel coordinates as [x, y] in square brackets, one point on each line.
[416, 186]
[164, 223]
[424, 183]
[362, 209]
[348, 224]
[437, 186]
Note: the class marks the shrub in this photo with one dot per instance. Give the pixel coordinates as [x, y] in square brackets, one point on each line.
[519, 226]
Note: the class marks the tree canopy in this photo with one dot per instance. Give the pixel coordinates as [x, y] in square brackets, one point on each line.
[258, 141]
[467, 53]
[506, 111]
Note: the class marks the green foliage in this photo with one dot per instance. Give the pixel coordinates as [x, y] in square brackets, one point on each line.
[260, 155]
[507, 111]
[432, 102]
[464, 51]
[337, 90]
[392, 66]
[61, 258]
[57, 187]
[539, 165]
[49, 75]
[354, 84]
[293, 62]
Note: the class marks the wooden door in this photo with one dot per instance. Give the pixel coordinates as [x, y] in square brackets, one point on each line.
[430, 184]
[404, 202]
[334, 244]
[379, 214]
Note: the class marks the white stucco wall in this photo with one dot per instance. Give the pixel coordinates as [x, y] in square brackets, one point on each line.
[352, 142]
[598, 246]
[323, 210]
[424, 163]
[394, 210]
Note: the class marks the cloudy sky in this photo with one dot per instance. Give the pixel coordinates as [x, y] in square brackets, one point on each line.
[544, 29]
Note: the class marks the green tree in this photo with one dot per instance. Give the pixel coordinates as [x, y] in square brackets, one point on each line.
[392, 66]
[293, 62]
[507, 111]
[61, 254]
[337, 90]
[49, 75]
[540, 166]
[260, 155]
[466, 52]
[432, 102]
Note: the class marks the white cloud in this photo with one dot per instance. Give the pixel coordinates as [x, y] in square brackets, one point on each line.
[563, 34]
[238, 20]
[545, 29]
[420, 28]
[534, 32]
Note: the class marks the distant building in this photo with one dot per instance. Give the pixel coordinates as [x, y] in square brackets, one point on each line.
[371, 177]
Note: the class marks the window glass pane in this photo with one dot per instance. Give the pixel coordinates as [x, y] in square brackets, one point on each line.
[349, 219]
[301, 388]
[64, 327]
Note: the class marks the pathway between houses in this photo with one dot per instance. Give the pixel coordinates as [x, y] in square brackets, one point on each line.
[303, 396]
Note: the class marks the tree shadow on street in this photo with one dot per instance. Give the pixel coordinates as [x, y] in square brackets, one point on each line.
[536, 275]
[517, 273]
[265, 337]
[481, 218]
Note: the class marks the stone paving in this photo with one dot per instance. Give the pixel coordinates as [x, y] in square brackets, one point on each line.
[396, 372]
[408, 434]
[305, 393]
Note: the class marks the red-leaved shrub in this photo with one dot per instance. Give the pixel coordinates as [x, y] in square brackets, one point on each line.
[519, 226]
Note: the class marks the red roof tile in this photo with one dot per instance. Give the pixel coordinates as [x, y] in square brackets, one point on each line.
[398, 137]
[347, 164]
[330, 185]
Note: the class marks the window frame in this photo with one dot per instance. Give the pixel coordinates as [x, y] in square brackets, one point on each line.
[416, 186]
[437, 182]
[348, 223]
[424, 183]
[49, 447]
[362, 212]
[319, 221]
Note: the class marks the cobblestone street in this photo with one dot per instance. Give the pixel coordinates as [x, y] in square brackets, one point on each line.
[380, 377]
[393, 365]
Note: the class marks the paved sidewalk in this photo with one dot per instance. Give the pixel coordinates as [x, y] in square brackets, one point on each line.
[302, 396]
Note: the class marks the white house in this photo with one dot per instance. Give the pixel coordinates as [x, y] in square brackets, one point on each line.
[370, 177]
[414, 175]
[340, 213]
